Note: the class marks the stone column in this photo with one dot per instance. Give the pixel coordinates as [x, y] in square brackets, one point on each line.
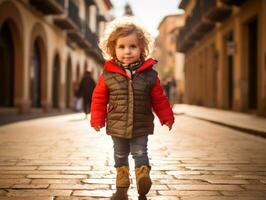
[239, 98]
[93, 12]
[220, 70]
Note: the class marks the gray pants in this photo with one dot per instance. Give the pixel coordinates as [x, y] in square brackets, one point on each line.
[136, 146]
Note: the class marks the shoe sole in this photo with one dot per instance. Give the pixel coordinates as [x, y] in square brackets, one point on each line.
[144, 184]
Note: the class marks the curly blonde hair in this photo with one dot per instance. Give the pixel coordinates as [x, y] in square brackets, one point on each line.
[121, 28]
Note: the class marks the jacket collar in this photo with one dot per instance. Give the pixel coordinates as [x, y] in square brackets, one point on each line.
[110, 66]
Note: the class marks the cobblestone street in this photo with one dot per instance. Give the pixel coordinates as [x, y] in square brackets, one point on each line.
[62, 158]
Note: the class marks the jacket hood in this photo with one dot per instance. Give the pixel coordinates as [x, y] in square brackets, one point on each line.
[111, 66]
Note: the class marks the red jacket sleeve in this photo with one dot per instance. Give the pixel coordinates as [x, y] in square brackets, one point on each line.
[160, 104]
[100, 98]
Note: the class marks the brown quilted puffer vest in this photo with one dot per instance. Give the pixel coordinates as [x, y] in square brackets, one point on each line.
[129, 110]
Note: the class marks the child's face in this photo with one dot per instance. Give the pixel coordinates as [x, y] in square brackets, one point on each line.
[127, 49]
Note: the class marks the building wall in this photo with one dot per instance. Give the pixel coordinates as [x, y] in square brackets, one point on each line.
[208, 62]
[28, 24]
[170, 65]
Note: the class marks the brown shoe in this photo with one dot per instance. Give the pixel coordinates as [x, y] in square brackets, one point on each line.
[143, 179]
[122, 177]
[120, 194]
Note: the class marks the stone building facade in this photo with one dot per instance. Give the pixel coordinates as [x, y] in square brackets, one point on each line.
[45, 46]
[224, 42]
[171, 63]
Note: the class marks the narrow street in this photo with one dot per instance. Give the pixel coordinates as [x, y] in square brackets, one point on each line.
[62, 158]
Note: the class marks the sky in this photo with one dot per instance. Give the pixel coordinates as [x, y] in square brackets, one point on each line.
[148, 12]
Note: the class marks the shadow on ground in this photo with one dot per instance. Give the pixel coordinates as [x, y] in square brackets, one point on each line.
[12, 117]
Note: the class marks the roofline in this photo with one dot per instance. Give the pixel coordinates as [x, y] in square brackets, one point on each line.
[165, 17]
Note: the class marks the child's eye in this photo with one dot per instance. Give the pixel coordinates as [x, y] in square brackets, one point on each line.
[133, 46]
[121, 46]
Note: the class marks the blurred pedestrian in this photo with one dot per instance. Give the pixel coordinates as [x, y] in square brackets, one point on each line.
[85, 91]
[131, 88]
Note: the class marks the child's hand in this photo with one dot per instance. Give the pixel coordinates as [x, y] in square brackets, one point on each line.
[169, 124]
[97, 128]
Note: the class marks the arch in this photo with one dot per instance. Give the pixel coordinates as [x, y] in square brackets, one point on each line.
[77, 73]
[68, 82]
[11, 20]
[77, 80]
[38, 40]
[7, 67]
[56, 71]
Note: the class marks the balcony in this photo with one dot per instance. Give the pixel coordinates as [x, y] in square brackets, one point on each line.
[93, 48]
[234, 2]
[70, 21]
[77, 37]
[90, 2]
[49, 7]
[100, 18]
[183, 43]
[216, 11]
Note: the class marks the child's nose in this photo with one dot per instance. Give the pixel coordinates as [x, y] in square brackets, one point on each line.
[127, 50]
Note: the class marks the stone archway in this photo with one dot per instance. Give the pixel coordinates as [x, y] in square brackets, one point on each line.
[36, 74]
[68, 82]
[78, 73]
[12, 30]
[38, 56]
[56, 71]
[7, 67]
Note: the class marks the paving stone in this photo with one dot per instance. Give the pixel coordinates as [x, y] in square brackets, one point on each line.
[177, 173]
[206, 187]
[27, 198]
[30, 186]
[6, 185]
[56, 181]
[57, 176]
[164, 198]
[180, 182]
[67, 160]
[38, 192]
[80, 186]
[93, 193]
[3, 192]
[263, 181]
[99, 181]
[227, 181]
[75, 172]
[188, 193]
[214, 168]
[65, 168]
[223, 198]
[29, 172]
[254, 187]
[15, 181]
[243, 193]
[11, 176]
[81, 198]
[249, 176]
[17, 168]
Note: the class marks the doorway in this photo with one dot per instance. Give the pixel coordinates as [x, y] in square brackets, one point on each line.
[68, 88]
[35, 76]
[252, 42]
[7, 67]
[230, 68]
[56, 82]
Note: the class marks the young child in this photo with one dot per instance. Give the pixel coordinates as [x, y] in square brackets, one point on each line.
[131, 88]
